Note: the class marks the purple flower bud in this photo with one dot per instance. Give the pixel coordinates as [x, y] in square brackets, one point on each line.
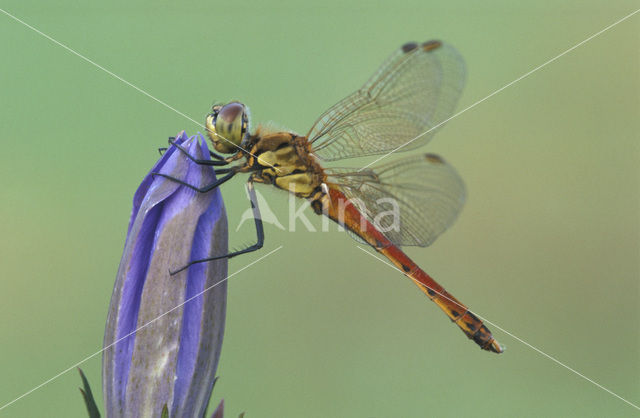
[172, 357]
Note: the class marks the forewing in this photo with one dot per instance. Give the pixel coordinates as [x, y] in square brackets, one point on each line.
[411, 201]
[405, 101]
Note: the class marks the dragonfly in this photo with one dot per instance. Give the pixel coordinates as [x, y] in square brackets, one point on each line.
[410, 201]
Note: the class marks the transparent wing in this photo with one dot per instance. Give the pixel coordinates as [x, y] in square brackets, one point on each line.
[411, 201]
[409, 97]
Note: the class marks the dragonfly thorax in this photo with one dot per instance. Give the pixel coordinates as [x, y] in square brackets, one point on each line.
[280, 160]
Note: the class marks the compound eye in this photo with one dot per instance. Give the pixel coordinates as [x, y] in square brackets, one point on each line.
[229, 123]
[232, 113]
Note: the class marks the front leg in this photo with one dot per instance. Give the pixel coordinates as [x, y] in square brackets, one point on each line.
[200, 161]
[232, 172]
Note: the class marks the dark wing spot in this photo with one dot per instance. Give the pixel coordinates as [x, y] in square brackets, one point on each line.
[431, 45]
[409, 46]
[433, 158]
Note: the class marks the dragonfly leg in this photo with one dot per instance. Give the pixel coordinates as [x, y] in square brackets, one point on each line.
[224, 170]
[164, 149]
[196, 160]
[232, 172]
[259, 233]
[217, 156]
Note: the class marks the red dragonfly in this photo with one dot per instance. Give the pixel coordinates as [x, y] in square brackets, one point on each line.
[410, 201]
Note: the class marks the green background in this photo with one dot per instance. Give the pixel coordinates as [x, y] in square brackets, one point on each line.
[547, 247]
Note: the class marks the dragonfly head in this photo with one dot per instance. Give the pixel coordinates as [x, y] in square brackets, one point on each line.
[227, 126]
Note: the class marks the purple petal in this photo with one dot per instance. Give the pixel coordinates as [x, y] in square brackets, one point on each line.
[173, 360]
[148, 179]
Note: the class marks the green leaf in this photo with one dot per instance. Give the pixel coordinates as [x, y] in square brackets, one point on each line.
[92, 408]
[165, 412]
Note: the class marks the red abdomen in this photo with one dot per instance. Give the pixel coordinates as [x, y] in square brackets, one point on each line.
[342, 211]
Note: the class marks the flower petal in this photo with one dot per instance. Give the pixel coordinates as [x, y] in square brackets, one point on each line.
[172, 360]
